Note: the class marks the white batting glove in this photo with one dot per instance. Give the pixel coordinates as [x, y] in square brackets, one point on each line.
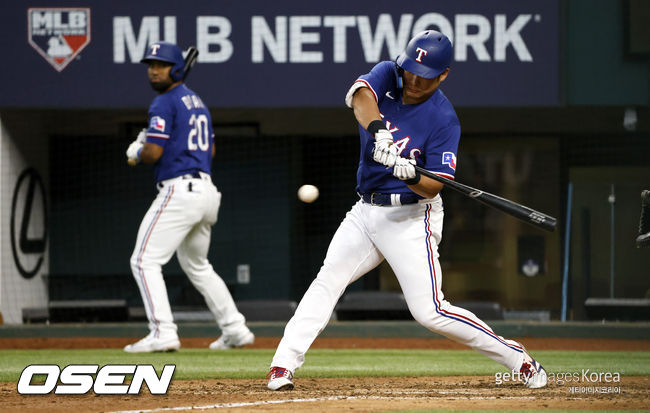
[142, 136]
[384, 152]
[133, 152]
[404, 169]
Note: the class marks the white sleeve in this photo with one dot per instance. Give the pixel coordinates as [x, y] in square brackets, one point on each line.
[356, 86]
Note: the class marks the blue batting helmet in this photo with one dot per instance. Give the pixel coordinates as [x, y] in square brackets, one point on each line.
[427, 54]
[167, 52]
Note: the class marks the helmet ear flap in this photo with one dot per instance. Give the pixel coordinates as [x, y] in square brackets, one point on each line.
[399, 76]
[176, 73]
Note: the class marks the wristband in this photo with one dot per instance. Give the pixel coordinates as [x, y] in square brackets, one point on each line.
[413, 181]
[375, 126]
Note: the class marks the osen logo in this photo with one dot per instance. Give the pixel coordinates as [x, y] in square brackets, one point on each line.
[78, 379]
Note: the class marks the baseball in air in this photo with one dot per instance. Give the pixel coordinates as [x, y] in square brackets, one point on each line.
[308, 193]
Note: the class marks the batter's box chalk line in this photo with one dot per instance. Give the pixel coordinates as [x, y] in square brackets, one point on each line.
[307, 400]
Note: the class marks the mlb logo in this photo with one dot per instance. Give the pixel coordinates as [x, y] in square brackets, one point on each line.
[449, 158]
[58, 34]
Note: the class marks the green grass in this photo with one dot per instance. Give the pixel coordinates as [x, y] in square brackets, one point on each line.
[254, 363]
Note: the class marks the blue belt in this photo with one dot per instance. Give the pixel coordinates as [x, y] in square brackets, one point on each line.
[389, 199]
[193, 175]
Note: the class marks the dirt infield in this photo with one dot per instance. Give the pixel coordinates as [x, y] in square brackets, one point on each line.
[349, 394]
[341, 395]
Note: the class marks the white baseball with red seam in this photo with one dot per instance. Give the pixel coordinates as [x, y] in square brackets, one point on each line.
[308, 193]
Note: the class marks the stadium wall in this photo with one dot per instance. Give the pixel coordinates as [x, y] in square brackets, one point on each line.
[24, 252]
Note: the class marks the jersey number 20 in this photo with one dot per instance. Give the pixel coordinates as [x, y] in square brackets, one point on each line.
[199, 137]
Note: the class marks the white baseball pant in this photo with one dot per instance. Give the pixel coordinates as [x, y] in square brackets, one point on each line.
[407, 237]
[180, 219]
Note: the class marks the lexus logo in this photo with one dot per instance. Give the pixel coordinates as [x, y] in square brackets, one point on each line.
[29, 213]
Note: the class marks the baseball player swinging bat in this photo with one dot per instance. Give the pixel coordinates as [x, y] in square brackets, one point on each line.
[518, 211]
[190, 59]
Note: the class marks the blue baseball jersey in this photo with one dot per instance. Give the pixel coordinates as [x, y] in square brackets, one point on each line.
[180, 122]
[428, 132]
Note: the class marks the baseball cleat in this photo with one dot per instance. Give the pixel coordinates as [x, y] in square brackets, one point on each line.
[226, 342]
[532, 372]
[280, 379]
[151, 344]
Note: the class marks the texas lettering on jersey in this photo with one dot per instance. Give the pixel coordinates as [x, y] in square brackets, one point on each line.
[408, 147]
[403, 148]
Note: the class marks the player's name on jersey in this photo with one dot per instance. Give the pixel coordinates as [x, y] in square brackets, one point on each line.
[193, 102]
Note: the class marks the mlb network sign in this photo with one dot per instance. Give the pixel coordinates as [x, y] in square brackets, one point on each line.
[58, 34]
[309, 39]
[502, 49]
[82, 378]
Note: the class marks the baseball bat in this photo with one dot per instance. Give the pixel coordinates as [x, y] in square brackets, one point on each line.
[522, 212]
[190, 59]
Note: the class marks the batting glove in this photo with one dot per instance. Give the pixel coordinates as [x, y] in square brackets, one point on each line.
[404, 169]
[133, 152]
[384, 152]
[142, 136]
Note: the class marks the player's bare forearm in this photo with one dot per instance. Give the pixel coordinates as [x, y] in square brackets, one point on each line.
[151, 153]
[427, 187]
[364, 106]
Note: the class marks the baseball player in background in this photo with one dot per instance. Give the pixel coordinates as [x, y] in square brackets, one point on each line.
[404, 120]
[179, 142]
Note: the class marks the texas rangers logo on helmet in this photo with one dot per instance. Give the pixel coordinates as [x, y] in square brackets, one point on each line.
[420, 53]
[58, 34]
[449, 158]
[154, 49]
